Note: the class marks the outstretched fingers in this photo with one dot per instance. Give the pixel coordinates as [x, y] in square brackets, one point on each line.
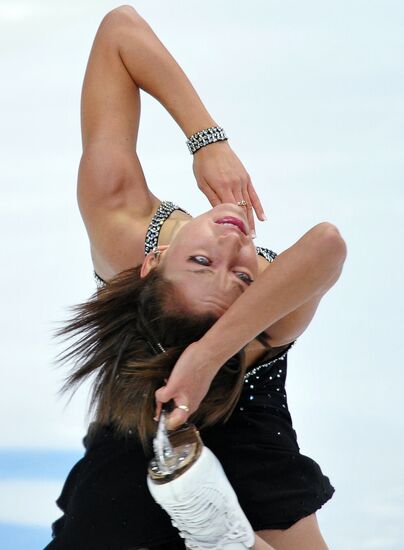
[255, 201]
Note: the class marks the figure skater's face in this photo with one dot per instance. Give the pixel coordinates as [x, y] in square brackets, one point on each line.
[211, 264]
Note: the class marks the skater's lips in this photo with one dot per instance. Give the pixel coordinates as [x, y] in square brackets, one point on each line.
[234, 221]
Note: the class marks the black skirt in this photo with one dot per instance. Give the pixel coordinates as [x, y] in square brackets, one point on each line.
[106, 504]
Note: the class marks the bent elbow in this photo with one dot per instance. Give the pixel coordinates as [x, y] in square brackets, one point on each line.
[333, 242]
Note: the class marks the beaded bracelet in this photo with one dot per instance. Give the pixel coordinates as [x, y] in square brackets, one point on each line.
[204, 137]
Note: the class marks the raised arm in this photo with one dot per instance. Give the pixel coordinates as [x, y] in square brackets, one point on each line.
[113, 195]
[219, 173]
[299, 277]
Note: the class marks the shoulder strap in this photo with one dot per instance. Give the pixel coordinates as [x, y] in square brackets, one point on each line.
[98, 280]
[268, 254]
[273, 352]
[153, 231]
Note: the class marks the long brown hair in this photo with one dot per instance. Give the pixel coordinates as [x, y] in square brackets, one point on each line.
[114, 334]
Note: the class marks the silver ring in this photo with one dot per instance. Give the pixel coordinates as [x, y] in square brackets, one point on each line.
[183, 407]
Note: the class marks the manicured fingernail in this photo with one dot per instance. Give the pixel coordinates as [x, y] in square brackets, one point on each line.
[264, 217]
[253, 234]
[155, 418]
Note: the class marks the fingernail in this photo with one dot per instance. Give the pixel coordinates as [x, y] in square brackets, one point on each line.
[155, 418]
[264, 217]
[253, 234]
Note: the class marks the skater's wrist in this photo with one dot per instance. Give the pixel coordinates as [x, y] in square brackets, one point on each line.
[212, 354]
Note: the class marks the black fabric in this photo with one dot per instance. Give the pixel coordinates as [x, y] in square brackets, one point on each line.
[106, 504]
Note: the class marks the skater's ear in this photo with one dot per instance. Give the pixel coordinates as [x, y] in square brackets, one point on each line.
[152, 260]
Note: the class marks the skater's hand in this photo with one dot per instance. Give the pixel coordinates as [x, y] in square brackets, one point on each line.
[188, 384]
[222, 178]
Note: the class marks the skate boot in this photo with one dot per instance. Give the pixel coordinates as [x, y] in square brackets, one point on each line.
[187, 480]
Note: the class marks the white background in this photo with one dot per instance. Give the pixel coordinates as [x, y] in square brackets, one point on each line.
[311, 97]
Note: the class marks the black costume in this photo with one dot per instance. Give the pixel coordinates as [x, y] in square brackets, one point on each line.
[105, 499]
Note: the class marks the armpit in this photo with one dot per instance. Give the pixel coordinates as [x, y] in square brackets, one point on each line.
[273, 352]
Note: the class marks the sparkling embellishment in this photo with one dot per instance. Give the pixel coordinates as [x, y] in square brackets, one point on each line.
[251, 397]
[268, 254]
[98, 281]
[204, 137]
[268, 364]
[162, 213]
[251, 385]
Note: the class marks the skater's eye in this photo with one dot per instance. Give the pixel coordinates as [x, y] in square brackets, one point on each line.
[246, 278]
[202, 260]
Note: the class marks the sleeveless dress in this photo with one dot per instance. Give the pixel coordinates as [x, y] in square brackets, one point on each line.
[105, 501]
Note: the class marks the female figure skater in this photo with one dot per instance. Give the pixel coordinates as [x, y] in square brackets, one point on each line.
[173, 289]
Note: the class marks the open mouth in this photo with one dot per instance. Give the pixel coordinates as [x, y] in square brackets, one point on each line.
[231, 221]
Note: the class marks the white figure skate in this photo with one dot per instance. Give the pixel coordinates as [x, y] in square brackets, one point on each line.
[187, 480]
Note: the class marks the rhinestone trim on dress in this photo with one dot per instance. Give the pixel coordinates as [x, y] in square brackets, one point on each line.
[265, 365]
[98, 281]
[153, 231]
[268, 254]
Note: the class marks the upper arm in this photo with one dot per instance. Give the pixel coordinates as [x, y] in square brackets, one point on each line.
[112, 192]
[285, 331]
[290, 327]
[116, 206]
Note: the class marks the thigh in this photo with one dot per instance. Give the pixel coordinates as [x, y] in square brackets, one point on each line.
[303, 535]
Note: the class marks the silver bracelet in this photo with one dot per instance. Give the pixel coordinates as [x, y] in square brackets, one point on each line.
[204, 137]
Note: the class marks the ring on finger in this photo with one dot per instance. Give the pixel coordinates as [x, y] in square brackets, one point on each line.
[242, 203]
[183, 407]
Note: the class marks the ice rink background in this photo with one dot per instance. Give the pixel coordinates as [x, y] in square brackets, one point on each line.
[311, 97]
